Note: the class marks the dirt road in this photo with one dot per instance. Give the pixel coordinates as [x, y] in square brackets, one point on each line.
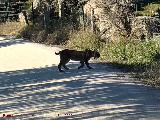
[31, 87]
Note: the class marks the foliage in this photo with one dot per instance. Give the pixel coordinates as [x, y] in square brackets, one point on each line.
[54, 34]
[131, 52]
[150, 74]
[142, 58]
[11, 28]
[30, 31]
[57, 37]
[83, 39]
[149, 10]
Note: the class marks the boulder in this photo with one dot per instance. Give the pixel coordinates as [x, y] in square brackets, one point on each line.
[116, 19]
[144, 27]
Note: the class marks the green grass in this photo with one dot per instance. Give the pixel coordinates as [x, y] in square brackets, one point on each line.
[149, 9]
[131, 52]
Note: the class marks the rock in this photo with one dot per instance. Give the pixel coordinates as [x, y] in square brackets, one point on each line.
[144, 27]
[23, 17]
[111, 17]
[116, 19]
[36, 3]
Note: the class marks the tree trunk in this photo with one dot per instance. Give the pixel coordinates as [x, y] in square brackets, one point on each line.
[92, 19]
[60, 8]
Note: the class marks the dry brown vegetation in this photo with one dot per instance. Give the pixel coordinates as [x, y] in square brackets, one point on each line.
[11, 28]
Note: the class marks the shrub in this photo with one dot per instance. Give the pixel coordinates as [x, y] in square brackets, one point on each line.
[149, 10]
[143, 58]
[30, 32]
[131, 52]
[11, 28]
[41, 37]
[83, 39]
[57, 37]
[150, 75]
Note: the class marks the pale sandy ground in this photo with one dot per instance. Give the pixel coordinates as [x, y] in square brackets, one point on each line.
[31, 88]
[24, 55]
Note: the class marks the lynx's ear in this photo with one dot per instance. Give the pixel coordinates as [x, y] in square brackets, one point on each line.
[96, 54]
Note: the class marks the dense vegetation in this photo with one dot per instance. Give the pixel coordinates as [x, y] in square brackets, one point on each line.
[140, 58]
[149, 9]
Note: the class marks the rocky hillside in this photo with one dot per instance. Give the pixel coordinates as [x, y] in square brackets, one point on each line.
[111, 19]
[115, 19]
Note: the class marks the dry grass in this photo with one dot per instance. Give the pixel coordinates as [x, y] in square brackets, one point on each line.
[83, 39]
[11, 28]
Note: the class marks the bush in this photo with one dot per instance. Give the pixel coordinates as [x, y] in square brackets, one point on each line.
[149, 10]
[41, 37]
[83, 39]
[55, 33]
[150, 75]
[30, 32]
[57, 37]
[11, 28]
[131, 52]
[143, 58]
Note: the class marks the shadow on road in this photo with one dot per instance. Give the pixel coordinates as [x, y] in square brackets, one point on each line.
[76, 94]
[9, 42]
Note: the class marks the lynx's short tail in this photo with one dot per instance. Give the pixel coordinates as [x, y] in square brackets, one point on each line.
[58, 53]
